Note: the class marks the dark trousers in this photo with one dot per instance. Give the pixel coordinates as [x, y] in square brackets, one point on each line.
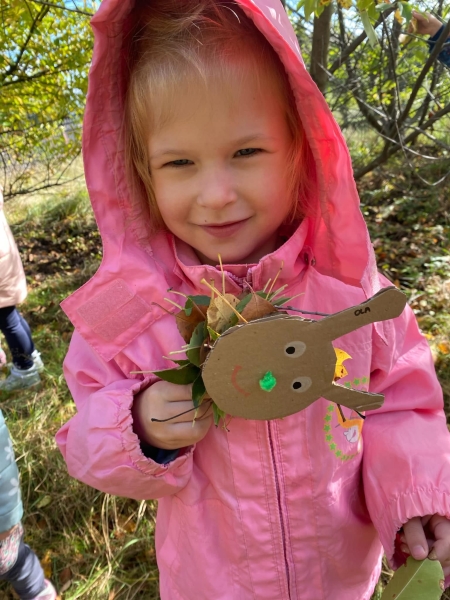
[18, 336]
[26, 576]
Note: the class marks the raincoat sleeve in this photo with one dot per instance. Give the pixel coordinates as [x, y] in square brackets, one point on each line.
[406, 460]
[444, 55]
[99, 444]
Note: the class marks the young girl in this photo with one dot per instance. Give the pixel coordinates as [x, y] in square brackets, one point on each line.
[26, 360]
[204, 135]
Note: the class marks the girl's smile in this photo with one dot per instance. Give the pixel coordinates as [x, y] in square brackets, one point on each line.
[218, 167]
[224, 230]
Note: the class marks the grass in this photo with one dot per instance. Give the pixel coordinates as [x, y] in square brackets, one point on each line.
[95, 546]
[92, 545]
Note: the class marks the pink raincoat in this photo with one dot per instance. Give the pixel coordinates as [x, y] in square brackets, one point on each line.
[298, 508]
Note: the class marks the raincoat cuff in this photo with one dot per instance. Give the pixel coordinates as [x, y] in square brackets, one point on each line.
[416, 503]
[132, 444]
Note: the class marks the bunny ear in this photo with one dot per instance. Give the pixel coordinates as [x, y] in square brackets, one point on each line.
[388, 303]
[354, 399]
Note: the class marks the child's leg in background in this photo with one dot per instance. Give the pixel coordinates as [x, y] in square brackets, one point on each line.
[18, 336]
[19, 565]
[27, 361]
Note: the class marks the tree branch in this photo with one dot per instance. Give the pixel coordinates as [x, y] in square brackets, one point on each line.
[75, 10]
[15, 65]
[385, 154]
[10, 195]
[427, 66]
[356, 42]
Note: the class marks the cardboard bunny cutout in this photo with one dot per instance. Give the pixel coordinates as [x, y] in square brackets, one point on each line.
[278, 365]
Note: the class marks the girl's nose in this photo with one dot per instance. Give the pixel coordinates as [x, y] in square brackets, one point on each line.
[217, 189]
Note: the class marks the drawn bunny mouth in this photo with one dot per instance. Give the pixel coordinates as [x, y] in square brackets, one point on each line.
[236, 386]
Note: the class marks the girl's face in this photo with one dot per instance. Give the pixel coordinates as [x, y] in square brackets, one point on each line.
[219, 169]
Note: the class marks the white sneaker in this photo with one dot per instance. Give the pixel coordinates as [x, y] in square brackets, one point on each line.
[36, 358]
[20, 379]
[48, 593]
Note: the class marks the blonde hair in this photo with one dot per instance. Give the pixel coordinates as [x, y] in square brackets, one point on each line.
[172, 41]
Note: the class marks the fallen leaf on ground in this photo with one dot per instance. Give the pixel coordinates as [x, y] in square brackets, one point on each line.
[444, 347]
[46, 564]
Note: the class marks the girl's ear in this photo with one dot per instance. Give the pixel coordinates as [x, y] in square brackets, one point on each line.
[388, 303]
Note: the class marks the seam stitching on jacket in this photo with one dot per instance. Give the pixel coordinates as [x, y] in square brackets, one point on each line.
[292, 570]
[314, 503]
[241, 520]
[266, 494]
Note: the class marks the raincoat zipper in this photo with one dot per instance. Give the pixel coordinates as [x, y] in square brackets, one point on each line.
[284, 536]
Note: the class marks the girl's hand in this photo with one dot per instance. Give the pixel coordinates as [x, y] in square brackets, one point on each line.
[425, 24]
[164, 400]
[422, 534]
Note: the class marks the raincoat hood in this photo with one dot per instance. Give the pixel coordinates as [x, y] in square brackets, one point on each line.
[115, 305]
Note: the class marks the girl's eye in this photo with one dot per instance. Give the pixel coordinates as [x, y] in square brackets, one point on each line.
[248, 151]
[182, 162]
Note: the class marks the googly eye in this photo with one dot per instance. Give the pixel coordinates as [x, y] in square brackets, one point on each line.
[294, 349]
[301, 384]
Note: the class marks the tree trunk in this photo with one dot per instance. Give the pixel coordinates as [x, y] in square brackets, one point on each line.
[320, 46]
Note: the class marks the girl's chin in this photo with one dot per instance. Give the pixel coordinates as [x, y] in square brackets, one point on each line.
[232, 257]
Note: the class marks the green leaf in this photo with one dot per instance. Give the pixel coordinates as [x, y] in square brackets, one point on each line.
[192, 300]
[309, 7]
[280, 301]
[416, 580]
[182, 362]
[363, 4]
[180, 376]
[382, 7]
[213, 334]
[242, 304]
[197, 339]
[198, 391]
[217, 413]
[407, 10]
[368, 28]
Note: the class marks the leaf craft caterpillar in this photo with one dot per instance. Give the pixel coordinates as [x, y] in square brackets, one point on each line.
[251, 360]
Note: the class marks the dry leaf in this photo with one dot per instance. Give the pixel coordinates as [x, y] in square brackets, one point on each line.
[257, 308]
[44, 501]
[46, 564]
[126, 524]
[219, 312]
[444, 347]
[65, 576]
[187, 324]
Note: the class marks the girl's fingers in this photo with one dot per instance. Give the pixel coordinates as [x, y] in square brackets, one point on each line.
[415, 538]
[440, 527]
[186, 434]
